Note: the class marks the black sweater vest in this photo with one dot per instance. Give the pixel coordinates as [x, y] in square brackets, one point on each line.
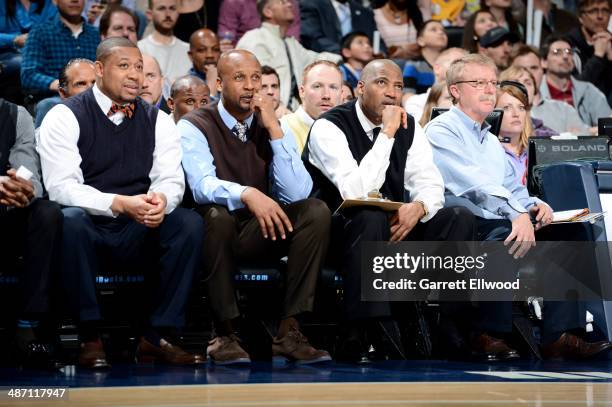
[115, 159]
[345, 118]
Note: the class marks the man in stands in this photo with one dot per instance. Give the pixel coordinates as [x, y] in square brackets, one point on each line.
[252, 186]
[204, 52]
[119, 21]
[114, 163]
[270, 85]
[187, 93]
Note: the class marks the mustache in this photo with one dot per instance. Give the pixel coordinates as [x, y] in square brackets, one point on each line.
[485, 98]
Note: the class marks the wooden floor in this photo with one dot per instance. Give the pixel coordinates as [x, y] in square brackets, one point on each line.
[341, 394]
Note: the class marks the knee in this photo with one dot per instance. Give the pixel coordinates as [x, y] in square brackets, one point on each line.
[371, 224]
[190, 224]
[218, 222]
[75, 220]
[48, 213]
[316, 212]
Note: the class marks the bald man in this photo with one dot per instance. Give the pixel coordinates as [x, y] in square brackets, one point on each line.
[113, 162]
[151, 90]
[372, 144]
[252, 187]
[187, 93]
[204, 52]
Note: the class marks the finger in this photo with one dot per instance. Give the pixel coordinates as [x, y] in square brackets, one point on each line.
[397, 234]
[515, 246]
[393, 220]
[540, 214]
[270, 227]
[279, 225]
[262, 226]
[404, 119]
[285, 219]
[510, 238]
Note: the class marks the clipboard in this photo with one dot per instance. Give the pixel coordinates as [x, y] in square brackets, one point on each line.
[384, 204]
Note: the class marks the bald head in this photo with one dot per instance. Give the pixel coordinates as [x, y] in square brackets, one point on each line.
[230, 61]
[203, 34]
[185, 82]
[379, 67]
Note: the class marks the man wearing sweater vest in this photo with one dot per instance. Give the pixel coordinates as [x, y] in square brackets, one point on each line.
[372, 144]
[114, 162]
[252, 188]
[321, 89]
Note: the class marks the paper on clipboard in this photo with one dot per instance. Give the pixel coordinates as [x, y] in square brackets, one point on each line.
[576, 215]
[383, 204]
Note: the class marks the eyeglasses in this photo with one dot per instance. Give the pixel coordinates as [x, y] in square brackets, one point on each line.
[566, 51]
[480, 83]
[596, 11]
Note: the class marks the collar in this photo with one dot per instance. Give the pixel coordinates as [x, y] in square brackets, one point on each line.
[305, 117]
[197, 73]
[163, 45]
[272, 28]
[365, 123]
[104, 101]
[229, 120]
[481, 128]
[522, 156]
[339, 6]
[570, 86]
[60, 23]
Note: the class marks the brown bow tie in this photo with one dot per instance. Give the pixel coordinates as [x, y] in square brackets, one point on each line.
[128, 110]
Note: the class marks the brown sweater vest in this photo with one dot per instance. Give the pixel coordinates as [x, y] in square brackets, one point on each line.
[246, 163]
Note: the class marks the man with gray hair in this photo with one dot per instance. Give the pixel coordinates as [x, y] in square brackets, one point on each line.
[478, 177]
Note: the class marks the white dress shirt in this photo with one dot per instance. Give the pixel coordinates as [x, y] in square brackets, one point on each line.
[330, 153]
[60, 160]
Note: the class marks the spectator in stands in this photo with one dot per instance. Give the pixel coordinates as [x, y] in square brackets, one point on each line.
[124, 204]
[119, 21]
[556, 20]
[347, 94]
[469, 158]
[15, 23]
[169, 51]
[194, 15]
[236, 17]
[502, 12]
[556, 115]
[515, 130]
[497, 45]
[270, 85]
[559, 84]
[416, 103]
[396, 160]
[187, 93]
[53, 43]
[32, 228]
[204, 52]
[593, 42]
[418, 73]
[477, 25]
[526, 79]
[151, 89]
[325, 23]
[451, 13]
[321, 90]
[356, 52]
[398, 22]
[253, 163]
[438, 96]
[78, 75]
[272, 47]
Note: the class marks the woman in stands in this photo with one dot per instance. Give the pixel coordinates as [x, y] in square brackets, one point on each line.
[513, 99]
[418, 73]
[479, 23]
[398, 22]
[438, 97]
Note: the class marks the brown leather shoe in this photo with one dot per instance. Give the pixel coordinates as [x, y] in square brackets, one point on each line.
[570, 346]
[294, 347]
[166, 353]
[226, 350]
[92, 355]
[491, 349]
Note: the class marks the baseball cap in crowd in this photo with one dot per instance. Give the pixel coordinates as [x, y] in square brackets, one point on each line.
[495, 36]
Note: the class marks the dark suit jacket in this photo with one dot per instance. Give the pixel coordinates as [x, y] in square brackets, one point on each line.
[321, 28]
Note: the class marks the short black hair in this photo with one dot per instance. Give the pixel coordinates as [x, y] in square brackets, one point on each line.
[116, 8]
[268, 70]
[184, 82]
[425, 24]
[348, 39]
[63, 77]
[261, 4]
[545, 48]
[105, 48]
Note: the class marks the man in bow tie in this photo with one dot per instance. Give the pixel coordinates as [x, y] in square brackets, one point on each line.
[251, 186]
[114, 163]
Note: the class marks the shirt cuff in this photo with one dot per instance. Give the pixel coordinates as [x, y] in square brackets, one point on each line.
[234, 202]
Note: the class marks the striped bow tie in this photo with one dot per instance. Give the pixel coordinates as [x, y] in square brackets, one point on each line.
[128, 110]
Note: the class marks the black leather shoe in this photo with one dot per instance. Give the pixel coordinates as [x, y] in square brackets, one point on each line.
[490, 349]
[37, 355]
[570, 346]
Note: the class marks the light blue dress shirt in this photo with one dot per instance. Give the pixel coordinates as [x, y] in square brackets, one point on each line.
[290, 179]
[474, 167]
